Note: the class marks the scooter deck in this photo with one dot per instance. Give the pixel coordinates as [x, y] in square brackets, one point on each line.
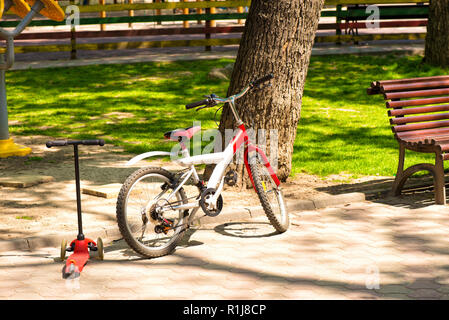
[78, 259]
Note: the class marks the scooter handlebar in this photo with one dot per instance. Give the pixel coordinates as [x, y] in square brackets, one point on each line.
[62, 143]
[98, 142]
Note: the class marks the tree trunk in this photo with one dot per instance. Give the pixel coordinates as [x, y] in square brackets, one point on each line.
[437, 38]
[278, 38]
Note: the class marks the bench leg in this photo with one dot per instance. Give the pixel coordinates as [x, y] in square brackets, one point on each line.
[397, 184]
[440, 189]
[436, 170]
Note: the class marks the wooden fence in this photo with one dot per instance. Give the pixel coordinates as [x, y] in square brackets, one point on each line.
[348, 20]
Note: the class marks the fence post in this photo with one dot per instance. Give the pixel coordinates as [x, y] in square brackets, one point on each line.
[208, 25]
[72, 37]
[213, 10]
[338, 21]
[185, 23]
[102, 15]
[199, 11]
[158, 11]
[130, 13]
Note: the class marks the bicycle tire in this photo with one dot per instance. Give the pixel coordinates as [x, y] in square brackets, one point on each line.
[282, 222]
[122, 215]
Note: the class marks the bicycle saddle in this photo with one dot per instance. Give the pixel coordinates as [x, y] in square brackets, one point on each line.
[187, 133]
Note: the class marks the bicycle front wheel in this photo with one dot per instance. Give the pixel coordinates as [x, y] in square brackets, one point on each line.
[270, 195]
[144, 215]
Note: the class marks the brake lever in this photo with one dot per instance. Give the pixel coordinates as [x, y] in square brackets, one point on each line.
[212, 103]
[203, 107]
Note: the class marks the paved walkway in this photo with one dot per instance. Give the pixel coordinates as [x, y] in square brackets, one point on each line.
[62, 59]
[362, 250]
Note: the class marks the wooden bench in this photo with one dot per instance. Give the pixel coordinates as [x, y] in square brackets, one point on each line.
[419, 115]
[355, 17]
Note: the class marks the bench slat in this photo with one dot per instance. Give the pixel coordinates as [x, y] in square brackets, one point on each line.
[435, 133]
[428, 109]
[409, 80]
[425, 139]
[415, 85]
[444, 147]
[417, 93]
[420, 126]
[416, 102]
[414, 119]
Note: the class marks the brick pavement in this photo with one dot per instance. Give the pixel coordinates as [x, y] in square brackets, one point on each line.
[363, 250]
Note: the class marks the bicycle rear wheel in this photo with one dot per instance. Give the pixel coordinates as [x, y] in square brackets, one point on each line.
[270, 195]
[144, 217]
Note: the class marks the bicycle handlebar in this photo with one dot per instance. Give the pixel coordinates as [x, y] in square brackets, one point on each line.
[62, 143]
[197, 104]
[259, 81]
[212, 100]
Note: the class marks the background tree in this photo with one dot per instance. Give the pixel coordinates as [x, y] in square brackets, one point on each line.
[278, 38]
[437, 38]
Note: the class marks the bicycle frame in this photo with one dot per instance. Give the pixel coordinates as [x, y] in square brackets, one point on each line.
[220, 159]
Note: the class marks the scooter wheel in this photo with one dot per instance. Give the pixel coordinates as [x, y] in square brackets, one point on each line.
[63, 249]
[100, 249]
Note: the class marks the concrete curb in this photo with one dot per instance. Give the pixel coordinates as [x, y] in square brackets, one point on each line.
[325, 201]
[112, 233]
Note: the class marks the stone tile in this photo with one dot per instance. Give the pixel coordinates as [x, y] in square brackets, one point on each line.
[24, 181]
[395, 296]
[423, 284]
[107, 191]
[393, 289]
[425, 294]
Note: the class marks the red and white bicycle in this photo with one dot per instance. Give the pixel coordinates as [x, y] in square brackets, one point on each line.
[153, 211]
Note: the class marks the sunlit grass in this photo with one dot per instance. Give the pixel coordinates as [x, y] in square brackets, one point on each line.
[342, 129]
[86, 102]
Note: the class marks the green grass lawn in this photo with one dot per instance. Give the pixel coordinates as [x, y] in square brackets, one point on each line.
[342, 129]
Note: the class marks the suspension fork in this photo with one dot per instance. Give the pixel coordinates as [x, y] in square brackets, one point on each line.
[248, 168]
[250, 147]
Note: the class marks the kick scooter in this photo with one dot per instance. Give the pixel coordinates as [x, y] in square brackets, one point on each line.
[81, 245]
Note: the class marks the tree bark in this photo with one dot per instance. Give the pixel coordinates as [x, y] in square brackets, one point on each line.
[278, 38]
[437, 38]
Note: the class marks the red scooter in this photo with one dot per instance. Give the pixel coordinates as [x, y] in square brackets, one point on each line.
[81, 245]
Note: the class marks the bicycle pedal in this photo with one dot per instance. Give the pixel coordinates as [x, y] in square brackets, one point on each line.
[231, 178]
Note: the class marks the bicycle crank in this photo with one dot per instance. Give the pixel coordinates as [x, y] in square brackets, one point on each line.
[211, 208]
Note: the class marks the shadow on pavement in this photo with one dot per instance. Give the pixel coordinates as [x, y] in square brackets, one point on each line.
[246, 229]
[417, 192]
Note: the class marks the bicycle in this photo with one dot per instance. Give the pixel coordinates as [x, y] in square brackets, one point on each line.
[155, 196]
